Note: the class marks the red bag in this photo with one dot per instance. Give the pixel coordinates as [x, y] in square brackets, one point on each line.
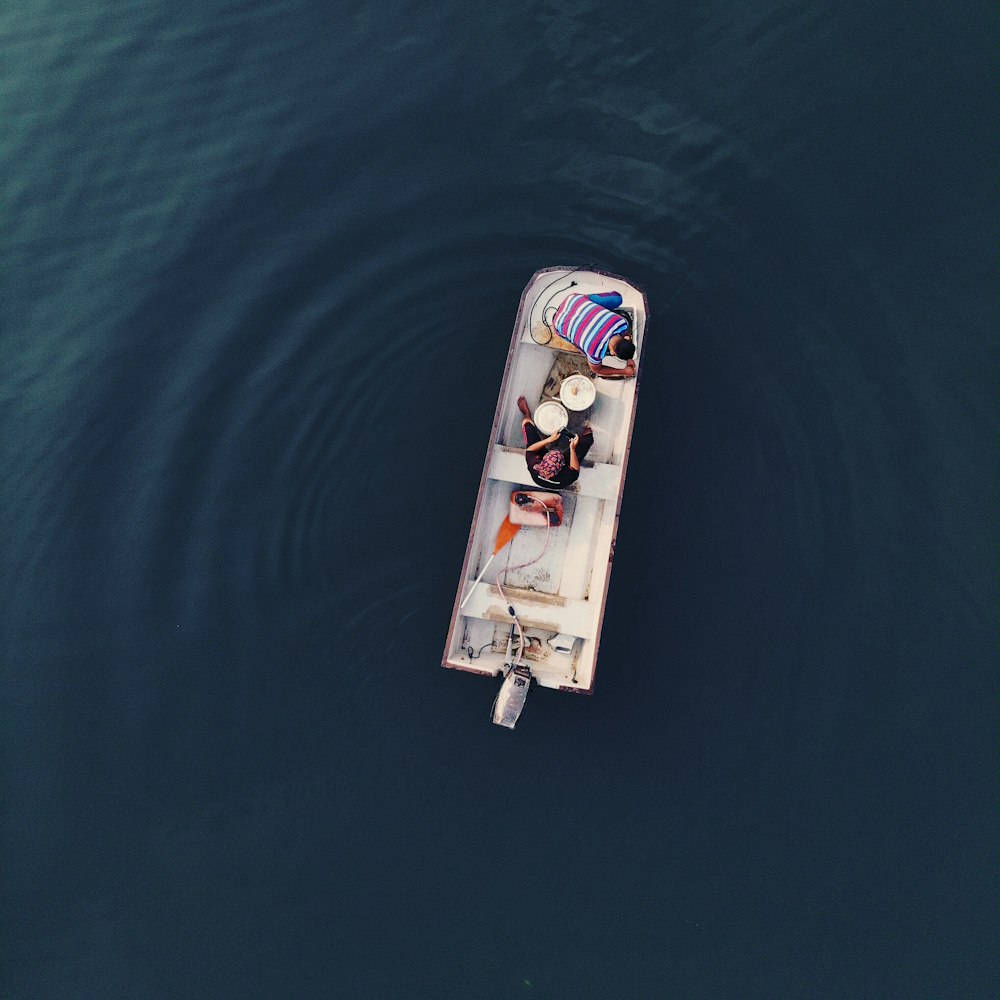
[531, 507]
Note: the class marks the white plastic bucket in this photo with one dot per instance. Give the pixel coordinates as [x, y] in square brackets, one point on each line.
[551, 416]
[577, 392]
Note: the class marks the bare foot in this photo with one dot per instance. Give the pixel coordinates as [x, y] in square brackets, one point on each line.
[522, 405]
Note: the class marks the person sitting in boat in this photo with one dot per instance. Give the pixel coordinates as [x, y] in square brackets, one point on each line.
[587, 322]
[549, 466]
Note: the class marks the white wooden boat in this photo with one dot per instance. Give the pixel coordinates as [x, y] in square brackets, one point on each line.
[538, 611]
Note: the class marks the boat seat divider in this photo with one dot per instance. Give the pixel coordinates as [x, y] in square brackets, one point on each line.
[599, 480]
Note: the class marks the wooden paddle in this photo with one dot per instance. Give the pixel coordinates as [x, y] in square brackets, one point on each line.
[504, 535]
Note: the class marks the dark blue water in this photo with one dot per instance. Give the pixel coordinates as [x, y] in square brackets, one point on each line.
[260, 268]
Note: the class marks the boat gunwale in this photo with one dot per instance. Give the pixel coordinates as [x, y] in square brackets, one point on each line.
[484, 478]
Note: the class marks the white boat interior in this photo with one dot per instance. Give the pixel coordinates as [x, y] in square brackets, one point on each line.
[555, 578]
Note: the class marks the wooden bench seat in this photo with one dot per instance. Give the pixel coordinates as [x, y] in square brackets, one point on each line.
[600, 480]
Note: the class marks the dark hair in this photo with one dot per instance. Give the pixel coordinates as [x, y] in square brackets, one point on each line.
[624, 349]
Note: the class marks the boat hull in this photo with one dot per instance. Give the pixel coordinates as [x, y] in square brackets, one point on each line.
[555, 579]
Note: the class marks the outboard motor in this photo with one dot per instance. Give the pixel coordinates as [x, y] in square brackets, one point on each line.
[511, 697]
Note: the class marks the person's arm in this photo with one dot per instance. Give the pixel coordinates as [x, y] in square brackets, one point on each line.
[604, 372]
[574, 462]
[539, 445]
